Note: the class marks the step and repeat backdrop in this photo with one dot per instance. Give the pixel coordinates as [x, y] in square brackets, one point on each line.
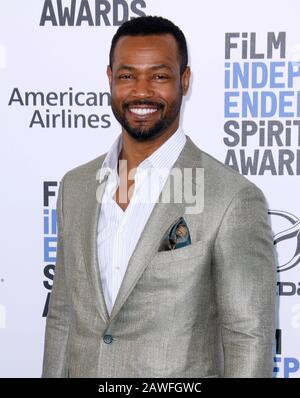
[243, 108]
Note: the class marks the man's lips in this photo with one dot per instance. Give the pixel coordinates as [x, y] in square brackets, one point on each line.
[143, 110]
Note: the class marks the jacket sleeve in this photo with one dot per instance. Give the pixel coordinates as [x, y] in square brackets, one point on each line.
[58, 319]
[244, 270]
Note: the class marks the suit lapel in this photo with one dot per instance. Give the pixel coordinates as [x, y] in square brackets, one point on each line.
[89, 223]
[162, 216]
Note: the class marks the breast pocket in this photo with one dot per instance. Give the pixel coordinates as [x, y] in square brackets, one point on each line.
[184, 253]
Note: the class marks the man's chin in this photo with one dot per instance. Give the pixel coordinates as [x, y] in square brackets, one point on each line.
[144, 135]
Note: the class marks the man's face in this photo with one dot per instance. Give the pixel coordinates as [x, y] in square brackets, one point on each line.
[146, 85]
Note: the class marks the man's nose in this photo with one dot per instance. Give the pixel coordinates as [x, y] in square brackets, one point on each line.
[142, 89]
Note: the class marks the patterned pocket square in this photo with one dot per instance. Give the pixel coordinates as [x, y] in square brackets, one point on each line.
[178, 235]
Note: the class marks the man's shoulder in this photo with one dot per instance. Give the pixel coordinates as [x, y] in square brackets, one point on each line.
[85, 171]
[219, 178]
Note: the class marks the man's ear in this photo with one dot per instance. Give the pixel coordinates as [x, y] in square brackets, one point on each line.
[185, 80]
[109, 74]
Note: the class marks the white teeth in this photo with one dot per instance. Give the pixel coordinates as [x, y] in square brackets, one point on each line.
[142, 111]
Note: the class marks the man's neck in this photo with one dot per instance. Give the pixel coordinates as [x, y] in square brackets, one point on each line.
[134, 152]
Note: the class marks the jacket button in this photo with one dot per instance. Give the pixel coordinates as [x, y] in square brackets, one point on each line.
[107, 339]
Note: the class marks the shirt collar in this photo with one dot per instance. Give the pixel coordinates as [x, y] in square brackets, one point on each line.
[110, 162]
[162, 158]
[165, 156]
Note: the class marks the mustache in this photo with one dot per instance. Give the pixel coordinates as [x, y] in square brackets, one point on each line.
[153, 104]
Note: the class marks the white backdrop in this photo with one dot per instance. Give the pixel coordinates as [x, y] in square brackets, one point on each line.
[42, 55]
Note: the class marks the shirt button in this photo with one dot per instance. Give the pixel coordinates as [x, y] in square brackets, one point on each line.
[107, 339]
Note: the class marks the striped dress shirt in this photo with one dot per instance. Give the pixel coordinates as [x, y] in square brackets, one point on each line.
[118, 231]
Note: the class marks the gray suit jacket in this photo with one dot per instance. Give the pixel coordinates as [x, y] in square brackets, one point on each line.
[204, 310]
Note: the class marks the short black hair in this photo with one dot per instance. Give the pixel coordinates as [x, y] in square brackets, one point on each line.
[151, 25]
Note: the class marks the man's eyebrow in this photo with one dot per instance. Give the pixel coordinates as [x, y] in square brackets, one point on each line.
[154, 67]
[161, 66]
[128, 67]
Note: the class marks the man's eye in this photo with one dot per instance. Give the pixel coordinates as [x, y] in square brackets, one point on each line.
[125, 76]
[160, 77]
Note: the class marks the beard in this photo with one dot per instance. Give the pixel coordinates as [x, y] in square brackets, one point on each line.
[143, 133]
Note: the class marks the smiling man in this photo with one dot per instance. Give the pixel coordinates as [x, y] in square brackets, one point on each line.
[151, 288]
[148, 75]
